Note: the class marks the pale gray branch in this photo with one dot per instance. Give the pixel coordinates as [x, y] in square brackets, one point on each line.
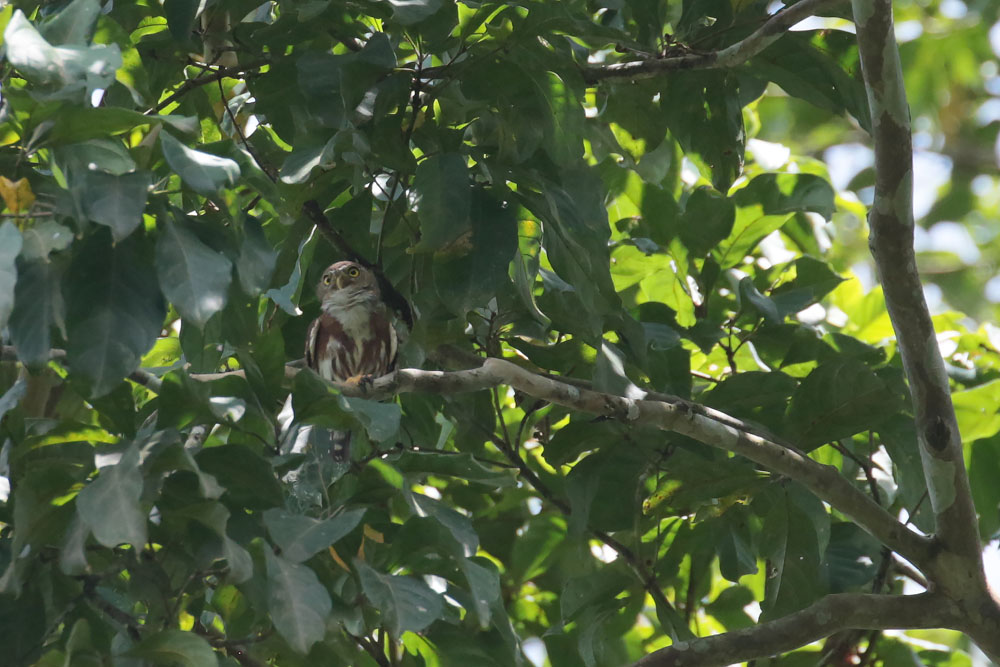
[891, 241]
[823, 618]
[731, 56]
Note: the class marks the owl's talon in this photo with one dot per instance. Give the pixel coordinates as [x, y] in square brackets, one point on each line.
[363, 381]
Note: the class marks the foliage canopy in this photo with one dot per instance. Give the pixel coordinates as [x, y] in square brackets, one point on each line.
[178, 174]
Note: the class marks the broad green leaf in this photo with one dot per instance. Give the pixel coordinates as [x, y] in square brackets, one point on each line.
[10, 246]
[752, 299]
[852, 557]
[181, 15]
[73, 25]
[110, 505]
[115, 201]
[174, 648]
[406, 604]
[100, 154]
[535, 547]
[380, 419]
[204, 173]
[298, 602]
[114, 310]
[194, 277]
[215, 517]
[778, 194]
[838, 399]
[38, 306]
[461, 465]
[472, 270]
[12, 396]
[256, 261]
[976, 410]
[59, 72]
[301, 537]
[443, 200]
[795, 536]
[820, 67]
[707, 219]
[44, 238]
[409, 12]
[813, 280]
[737, 556]
[250, 481]
[484, 585]
[456, 523]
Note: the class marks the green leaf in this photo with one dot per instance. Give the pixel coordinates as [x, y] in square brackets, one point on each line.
[110, 505]
[301, 537]
[813, 280]
[838, 399]
[38, 305]
[763, 305]
[115, 201]
[194, 277]
[461, 465]
[473, 270]
[59, 72]
[257, 259]
[100, 154]
[204, 173]
[406, 604]
[174, 648]
[851, 558]
[10, 246]
[249, 480]
[484, 584]
[114, 310]
[443, 199]
[795, 535]
[457, 524]
[43, 238]
[408, 12]
[216, 517]
[73, 25]
[181, 15]
[535, 547]
[976, 411]
[381, 420]
[707, 219]
[298, 602]
[13, 396]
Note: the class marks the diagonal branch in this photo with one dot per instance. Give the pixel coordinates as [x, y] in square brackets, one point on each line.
[833, 613]
[731, 56]
[891, 241]
[669, 414]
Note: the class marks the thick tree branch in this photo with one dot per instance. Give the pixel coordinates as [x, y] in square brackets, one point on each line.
[731, 56]
[891, 241]
[833, 613]
[677, 417]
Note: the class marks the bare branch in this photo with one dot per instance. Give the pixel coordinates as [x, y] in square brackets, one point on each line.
[891, 241]
[731, 56]
[833, 613]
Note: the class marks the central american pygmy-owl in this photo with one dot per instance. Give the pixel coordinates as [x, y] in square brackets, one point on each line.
[353, 336]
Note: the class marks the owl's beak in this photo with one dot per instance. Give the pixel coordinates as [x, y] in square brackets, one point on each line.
[341, 280]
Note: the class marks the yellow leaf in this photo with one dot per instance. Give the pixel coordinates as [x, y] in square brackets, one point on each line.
[373, 534]
[338, 560]
[17, 195]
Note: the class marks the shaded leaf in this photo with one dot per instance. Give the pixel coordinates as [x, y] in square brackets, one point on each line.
[301, 537]
[114, 310]
[298, 602]
[38, 306]
[175, 648]
[194, 277]
[406, 604]
[110, 506]
[204, 173]
[10, 246]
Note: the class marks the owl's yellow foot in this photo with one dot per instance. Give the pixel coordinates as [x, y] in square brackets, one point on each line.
[362, 380]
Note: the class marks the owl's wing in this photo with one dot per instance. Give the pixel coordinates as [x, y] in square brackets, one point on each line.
[312, 334]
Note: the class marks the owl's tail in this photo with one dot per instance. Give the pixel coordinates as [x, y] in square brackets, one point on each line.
[340, 446]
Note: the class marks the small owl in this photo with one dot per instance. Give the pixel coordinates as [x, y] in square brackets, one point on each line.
[353, 337]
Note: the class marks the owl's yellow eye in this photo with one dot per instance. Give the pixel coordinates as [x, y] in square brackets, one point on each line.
[353, 272]
[327, 279]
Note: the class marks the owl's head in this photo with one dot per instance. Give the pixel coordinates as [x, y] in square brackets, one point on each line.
[347, 281]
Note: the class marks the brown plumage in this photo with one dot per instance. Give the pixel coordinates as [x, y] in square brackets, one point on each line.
[353, 337]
